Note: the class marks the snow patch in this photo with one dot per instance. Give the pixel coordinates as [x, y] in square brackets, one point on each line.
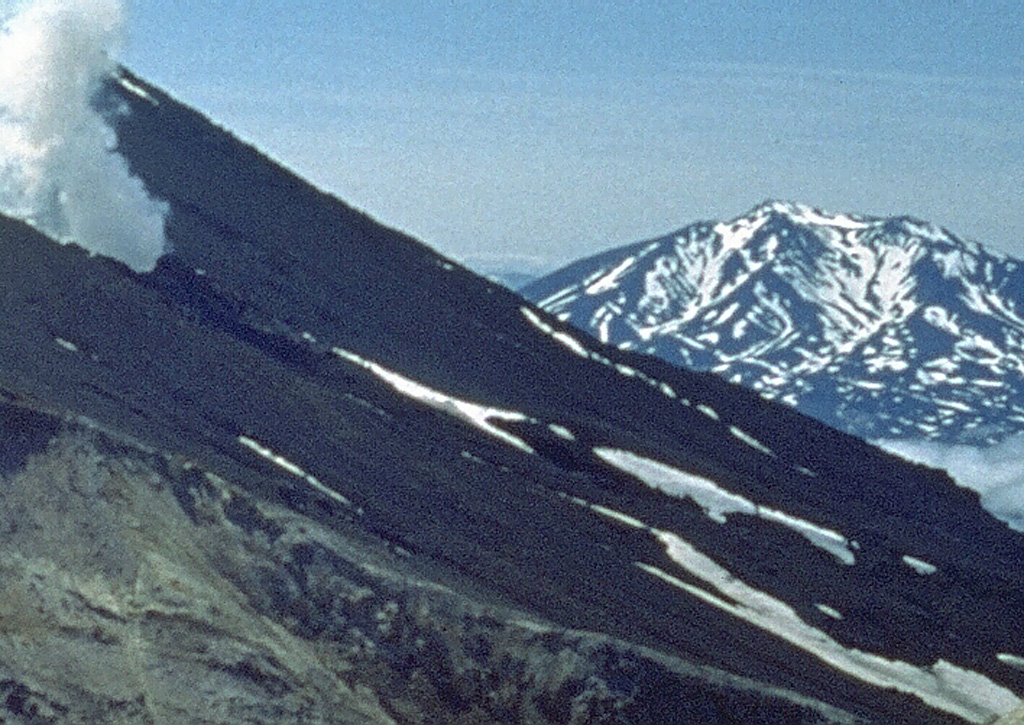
[291, 468]
[708, 411]
[559, 298]
[136, 89]
[940, 318]
[751, 441]
[944, 686]
[921, 567]
[868, 384]
[562, 337]
[561, 431]
[717, 502]
[1011, 660]
[617, 516]
[477, 415]
[829, 611]
[986, 383]
[802, 213]
[625, 370]
[610, 281]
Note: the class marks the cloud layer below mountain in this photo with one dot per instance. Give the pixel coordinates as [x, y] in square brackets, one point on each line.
[996, 473]
[58, 167]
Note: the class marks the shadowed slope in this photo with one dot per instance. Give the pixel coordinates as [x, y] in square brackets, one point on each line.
[349, 379]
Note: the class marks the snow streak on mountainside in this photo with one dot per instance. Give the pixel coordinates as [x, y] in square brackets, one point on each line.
[883, 327]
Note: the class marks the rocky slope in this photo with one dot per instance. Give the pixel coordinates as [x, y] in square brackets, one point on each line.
[308, 470]
[885, 328]
[139, 587]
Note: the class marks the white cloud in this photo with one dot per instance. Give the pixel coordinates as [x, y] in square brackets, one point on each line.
[57, 167]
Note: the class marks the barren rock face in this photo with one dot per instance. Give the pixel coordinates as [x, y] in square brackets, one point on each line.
[116, 607]
[136, 588]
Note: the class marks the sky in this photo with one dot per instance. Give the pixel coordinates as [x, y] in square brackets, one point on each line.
[525, 135]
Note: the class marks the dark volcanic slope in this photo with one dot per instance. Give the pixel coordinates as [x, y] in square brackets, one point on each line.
[340, 371]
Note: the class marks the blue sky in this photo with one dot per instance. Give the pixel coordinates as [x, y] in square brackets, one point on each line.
[535, 133]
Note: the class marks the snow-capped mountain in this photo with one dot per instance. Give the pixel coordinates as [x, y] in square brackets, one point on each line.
[309, 470]
[883, 327]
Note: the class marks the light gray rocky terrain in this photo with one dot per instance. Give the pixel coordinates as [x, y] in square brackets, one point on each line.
[136, 587]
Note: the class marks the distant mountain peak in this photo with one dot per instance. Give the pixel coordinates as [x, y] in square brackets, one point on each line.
[804, 213]
[882, 326]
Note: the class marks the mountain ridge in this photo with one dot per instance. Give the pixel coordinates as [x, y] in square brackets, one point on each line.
[821, 310]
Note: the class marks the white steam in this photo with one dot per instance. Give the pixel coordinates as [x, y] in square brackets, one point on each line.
[996, 473]
[57, 167]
